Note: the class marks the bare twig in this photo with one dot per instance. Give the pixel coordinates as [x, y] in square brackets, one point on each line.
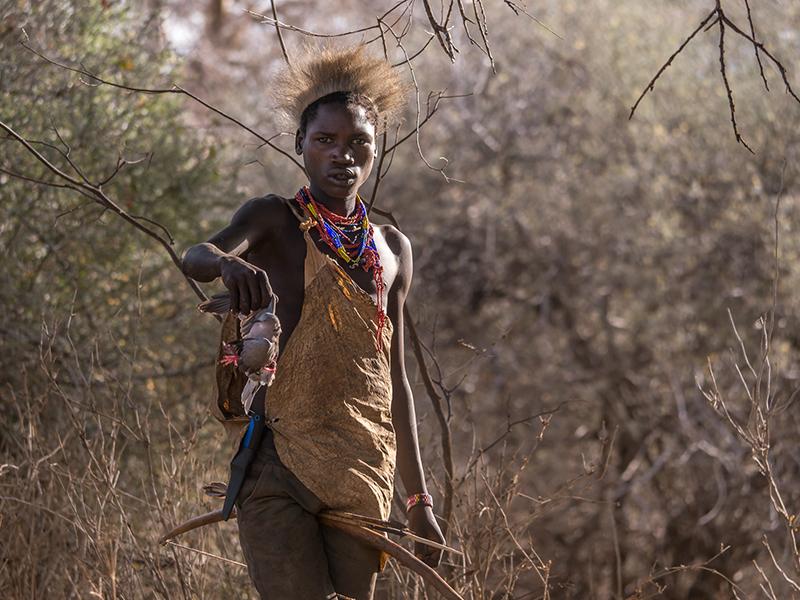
[480, 17]
[650, 86]
[795, 586]
[278, 32]
[544, 416]
[540, 567]
[416, 54]
[399, 42]
[766, 53]
[519, 9]
[718, 17]
[724, 73]
[306, 32]
[121, 164]
[271, 21]
[441, 30]
[756, 432]
[755, 45]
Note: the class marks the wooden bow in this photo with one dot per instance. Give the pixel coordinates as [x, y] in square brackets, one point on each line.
[358, 526]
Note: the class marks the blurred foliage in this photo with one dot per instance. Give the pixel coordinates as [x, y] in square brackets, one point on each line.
[100, 260]
[99, 325]
[600, 256]
[584, 260]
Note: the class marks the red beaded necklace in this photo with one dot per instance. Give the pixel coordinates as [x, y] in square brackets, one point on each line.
[351, 238]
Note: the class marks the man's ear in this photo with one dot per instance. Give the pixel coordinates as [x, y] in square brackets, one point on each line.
[375, 152]
[298, 142]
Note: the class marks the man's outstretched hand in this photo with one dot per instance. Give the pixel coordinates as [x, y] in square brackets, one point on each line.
[248, 285]
[423, 523]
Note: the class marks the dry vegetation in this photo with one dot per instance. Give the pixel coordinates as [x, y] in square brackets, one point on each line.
[604, 348]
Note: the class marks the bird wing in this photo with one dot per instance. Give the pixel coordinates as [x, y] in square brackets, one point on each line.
[218, 304]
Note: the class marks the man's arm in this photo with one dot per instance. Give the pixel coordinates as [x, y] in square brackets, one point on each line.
[409, 463]
[221, 256]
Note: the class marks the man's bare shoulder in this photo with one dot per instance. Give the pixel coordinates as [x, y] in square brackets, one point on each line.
[263, 212]
[397, 241]
[400, 273]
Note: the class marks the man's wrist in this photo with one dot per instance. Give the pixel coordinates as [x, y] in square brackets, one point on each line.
[203, 262]
[419, 499]
[223, 258]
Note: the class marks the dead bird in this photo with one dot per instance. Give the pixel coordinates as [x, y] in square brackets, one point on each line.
[256, 352]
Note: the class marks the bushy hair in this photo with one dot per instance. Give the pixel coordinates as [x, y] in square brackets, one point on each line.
[350, 76]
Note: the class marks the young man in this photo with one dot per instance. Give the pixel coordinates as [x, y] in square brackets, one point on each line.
[340, 410]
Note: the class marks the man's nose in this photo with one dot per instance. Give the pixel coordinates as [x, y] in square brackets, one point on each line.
[343, 154]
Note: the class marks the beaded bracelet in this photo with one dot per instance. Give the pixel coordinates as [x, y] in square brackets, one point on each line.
[414, 499]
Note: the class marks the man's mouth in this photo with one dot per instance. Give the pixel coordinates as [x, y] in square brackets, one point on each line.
[343, 176]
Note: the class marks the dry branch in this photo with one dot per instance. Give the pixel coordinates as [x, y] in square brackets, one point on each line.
[718, 17]
[759, 397]
[175, 89]
[755, 45]
[96, 193]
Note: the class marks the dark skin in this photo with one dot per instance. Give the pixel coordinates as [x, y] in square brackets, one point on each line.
[338, 148]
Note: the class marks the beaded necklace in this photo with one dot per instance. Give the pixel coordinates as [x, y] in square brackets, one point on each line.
[352, 239]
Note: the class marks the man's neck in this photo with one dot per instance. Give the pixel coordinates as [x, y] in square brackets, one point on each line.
[341, 206]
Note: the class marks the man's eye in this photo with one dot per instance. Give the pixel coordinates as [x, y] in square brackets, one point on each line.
[361, 141]
[324, 139]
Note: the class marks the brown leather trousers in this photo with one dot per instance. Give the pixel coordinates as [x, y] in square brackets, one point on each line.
[291, 555]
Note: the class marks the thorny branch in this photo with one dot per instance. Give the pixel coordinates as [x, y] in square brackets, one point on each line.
[724, 72]
[755, 45]
[719, 18]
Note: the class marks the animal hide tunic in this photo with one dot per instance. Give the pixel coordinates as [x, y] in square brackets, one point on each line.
[331, 397]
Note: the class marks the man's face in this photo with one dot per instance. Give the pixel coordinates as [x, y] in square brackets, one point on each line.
[338, 149]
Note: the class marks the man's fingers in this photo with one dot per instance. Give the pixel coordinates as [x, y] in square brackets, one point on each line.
[234, 298]
[255, 293]
[244, 298]
[263, 284]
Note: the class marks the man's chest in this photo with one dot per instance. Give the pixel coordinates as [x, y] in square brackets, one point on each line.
[283, 259]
